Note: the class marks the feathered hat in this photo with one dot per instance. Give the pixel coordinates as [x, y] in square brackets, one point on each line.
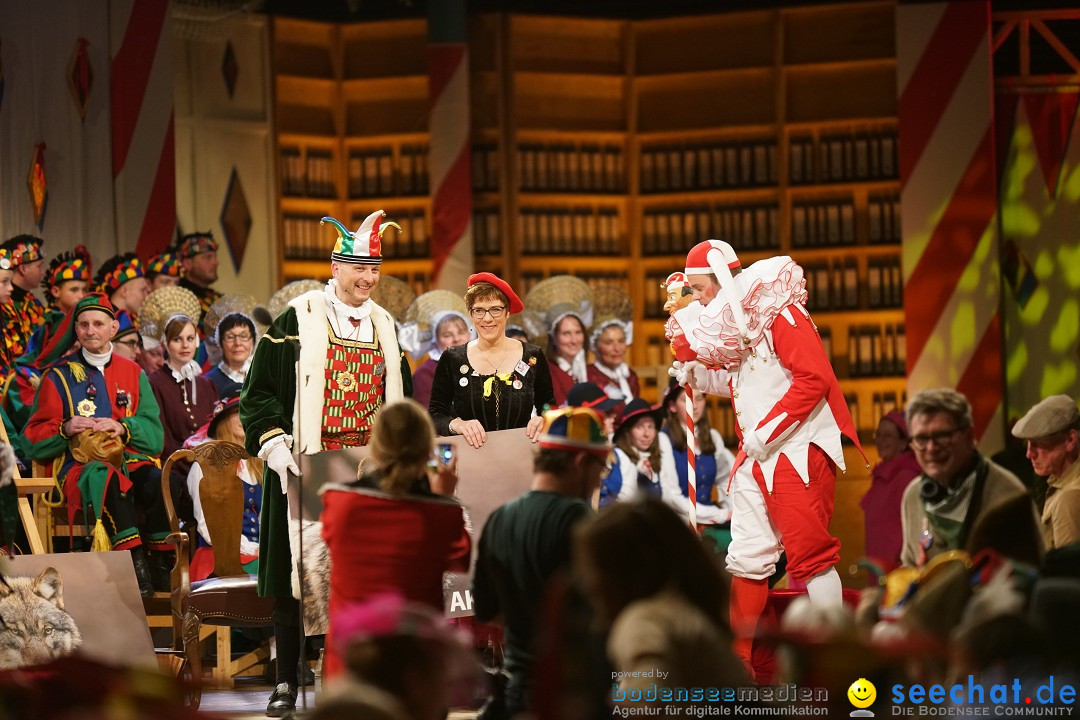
[612, 306]
[364, 246]
[549, 301]
[159, 307]
[417, 334]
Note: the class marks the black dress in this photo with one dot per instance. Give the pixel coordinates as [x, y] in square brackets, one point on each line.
[458, 391]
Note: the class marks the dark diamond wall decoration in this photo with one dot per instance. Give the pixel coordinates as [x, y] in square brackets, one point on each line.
[236, 220]
[80, 76]
[230, 70]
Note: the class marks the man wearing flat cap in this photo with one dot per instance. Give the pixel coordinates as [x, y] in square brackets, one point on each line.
[1052, 432]
[319, 375]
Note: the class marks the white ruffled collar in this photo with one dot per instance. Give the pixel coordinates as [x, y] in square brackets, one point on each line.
[575, 368]
[620, 376]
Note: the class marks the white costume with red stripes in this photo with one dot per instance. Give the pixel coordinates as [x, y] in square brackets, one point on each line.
[790, 413]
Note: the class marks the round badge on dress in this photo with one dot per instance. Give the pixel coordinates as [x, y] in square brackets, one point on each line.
[463, 382]
[517, 384]
[464, 370]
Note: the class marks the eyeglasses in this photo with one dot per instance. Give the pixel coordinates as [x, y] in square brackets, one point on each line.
[234, 338]
[495, 312]
[942, 438]
[132, 343]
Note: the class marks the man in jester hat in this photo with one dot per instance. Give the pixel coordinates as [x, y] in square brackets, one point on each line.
[319, 374]
[749, 337]
[95, 418]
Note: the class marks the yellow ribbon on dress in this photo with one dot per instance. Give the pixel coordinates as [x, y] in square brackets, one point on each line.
[504, 377]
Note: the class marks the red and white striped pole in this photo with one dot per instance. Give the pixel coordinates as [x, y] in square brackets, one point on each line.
[691, 456]
[451, 189]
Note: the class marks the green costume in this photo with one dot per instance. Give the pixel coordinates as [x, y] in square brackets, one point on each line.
[269, 406]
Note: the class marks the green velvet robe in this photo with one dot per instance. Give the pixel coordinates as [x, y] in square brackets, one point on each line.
[267, 407]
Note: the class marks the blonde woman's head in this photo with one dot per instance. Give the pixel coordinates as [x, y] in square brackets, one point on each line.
[401, 444]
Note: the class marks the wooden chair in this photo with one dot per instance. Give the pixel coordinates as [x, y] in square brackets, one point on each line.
[31, 492]
[228, 599]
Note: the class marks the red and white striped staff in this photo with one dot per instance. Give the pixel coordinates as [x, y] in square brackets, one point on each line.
[691, 456]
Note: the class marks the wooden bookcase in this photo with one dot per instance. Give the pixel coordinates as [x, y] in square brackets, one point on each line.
[607, 148]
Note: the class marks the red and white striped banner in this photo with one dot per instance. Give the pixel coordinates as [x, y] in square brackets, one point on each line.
[451, 190]
[144, 157]
[949, 206]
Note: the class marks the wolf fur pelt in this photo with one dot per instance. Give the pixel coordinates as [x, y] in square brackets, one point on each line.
[7, 464]
[34, 627]
[316, 580]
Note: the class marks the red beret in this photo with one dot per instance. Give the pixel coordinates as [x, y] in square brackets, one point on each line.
[516, 305]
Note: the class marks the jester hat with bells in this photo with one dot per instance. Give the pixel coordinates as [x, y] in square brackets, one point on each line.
[363, 247]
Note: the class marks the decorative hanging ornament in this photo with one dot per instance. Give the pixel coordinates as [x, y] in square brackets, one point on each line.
[80, 76]
[39, 189]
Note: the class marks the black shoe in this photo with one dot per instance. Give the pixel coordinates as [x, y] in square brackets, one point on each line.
[282, 702]
[142, 571]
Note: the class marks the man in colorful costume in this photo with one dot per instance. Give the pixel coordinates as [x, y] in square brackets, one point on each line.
[23, 313]
[199, 262]
[96, 419]
[122, 279]
[749, 337]
[65, 284]
[319, 375]
[163, 270]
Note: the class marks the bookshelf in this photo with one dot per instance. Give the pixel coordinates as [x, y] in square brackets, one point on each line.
[606, 148]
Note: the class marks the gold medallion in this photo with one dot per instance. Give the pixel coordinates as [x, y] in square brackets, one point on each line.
[86, 408]
[346, 381]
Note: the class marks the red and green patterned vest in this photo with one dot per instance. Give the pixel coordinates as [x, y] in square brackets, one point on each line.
[355, 380]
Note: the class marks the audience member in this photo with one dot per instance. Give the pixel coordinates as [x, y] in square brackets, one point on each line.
[21, 313]
[493, 382]
[185, 396]
[397, 528]
[403, 662]
[126, 341]
[712, 465]
[235, 335]
[638, 456]
[589, 395]
[610, 338]
[163, 270]
[528, 540]
[896, 469]
[7, 343]
[435, 321]
[560, 308]
[957, 486]
[1052, 431]
[97, 412]
[121, 278]
[662, 595]
[199, 263]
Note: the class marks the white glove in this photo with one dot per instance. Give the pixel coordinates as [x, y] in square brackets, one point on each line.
[692, 372]
[278, 458]
[679, 370]
[753, 447]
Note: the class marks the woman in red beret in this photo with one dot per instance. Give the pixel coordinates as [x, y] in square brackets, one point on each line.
[493, 382]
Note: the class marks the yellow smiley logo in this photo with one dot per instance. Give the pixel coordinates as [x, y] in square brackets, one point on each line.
[862, 693]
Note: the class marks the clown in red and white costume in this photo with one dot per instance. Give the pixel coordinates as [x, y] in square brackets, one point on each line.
[750, 338]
